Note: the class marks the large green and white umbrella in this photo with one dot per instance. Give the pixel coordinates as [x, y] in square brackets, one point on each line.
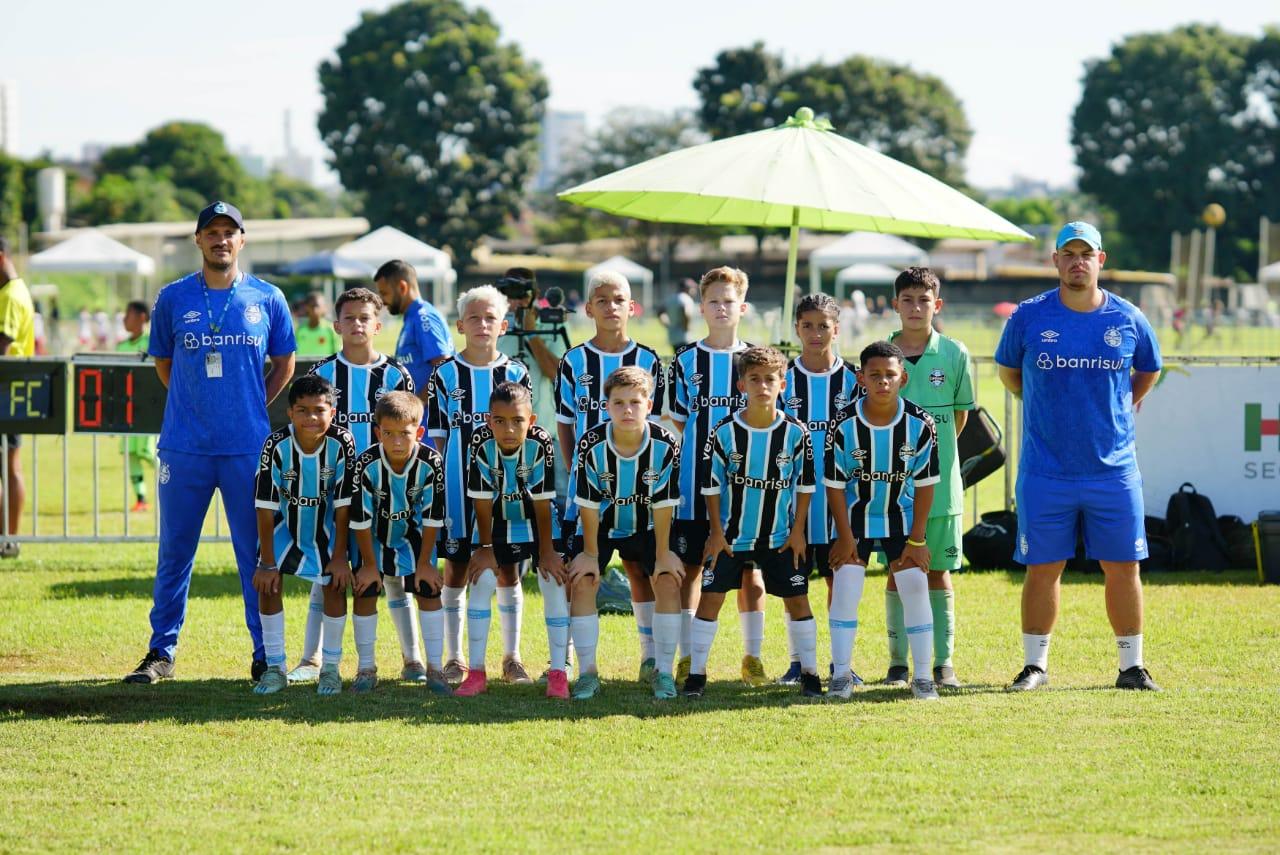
[798, 175]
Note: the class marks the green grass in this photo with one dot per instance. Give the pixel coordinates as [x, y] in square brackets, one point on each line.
[202, 763]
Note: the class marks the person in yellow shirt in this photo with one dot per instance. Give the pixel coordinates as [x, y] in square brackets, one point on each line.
[315, 334]
[17, 339]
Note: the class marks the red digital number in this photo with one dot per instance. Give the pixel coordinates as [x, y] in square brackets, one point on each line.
[87, 374]
[128, 398]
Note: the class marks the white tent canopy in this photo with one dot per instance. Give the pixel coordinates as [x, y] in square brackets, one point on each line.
[864, 274]
[386, 243]
[1269, 274]
[863, 248]
[91, 252]
[635, 273]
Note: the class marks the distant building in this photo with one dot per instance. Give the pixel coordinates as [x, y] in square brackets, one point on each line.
[294, 164]
[562, 137]
[91, 152]
[254, 164]
[8, 117]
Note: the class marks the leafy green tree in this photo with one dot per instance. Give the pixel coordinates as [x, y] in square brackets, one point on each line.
[11, 196]
[739, 92]
[433, 120]
[293, 198]
[1034, 211]
[194, 158]
[137, 196]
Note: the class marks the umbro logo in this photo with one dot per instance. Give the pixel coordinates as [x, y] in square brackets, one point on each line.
[695, 380]
[291, 475]
[1050, 337]
[458, 394]
[952, 552]
[793, 403]
[192, 317]
[797, 580]
[585, 379]
[606, 477]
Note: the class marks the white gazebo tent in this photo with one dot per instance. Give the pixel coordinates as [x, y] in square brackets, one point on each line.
[635, 274]
[858, 248]
[386, 243]
[857, 275]
[91, 251]
[1269, 275]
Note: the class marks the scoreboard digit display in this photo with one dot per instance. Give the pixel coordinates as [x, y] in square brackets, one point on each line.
[33, 396]
[116, 394]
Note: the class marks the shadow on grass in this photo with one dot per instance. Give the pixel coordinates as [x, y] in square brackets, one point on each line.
[203, 586]
[1193, 577]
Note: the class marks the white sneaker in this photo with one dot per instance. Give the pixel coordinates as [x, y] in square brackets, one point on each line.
[841, 687]
[924, 690]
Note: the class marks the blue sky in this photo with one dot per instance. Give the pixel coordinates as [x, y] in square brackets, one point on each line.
[108, 72]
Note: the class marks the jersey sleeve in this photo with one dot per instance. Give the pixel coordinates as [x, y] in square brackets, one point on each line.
[924, 463]
[587, 492]
[659, 391]
[362, 497]
[565, 413]
[677, 393]
[805, 481]
[714, 467]
[542, 478]
[433, 494]
[433, 336]
[838, 461]
[1146, 354]
[479, 484]
[1009, 351]
[666, 490]
[267, 482]
[404, 380]
[964, 399]
[437, 417]
[161, 344]
[341, 469]
[280, 338]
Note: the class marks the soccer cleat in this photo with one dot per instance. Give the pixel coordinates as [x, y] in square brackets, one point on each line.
[330, 681]
[558, 685]
[695, 685]
[923, 690]
[273, 680]
[453, 672]
[257, 668]
[436, 683]
[365, 681]
[153, 668]
[513, 671]
[841, 687]
[664, 687]
[753, 671]
[831, 672]
[414, 672]
[897, 675]
[945, 677]
[477, 683]
[1136, 678]
[1030, 677]
[305, 672]
[648, 671]
[683, 668]
[810, 686]
[792, 675]
[587, 687]
[140, 507]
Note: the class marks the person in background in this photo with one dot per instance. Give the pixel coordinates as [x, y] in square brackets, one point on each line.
[17, 339]
[138, 449]
[315, 334]
[425, 340]
[678, 312]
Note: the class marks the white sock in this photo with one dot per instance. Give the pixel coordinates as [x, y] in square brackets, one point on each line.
[791, 640]
[402, 618]
[312, 638]
[479, 616]
[704, 635]
[432, 626]
[510, 606]
[555, 607]
[807, 644]
[913, 588]
[273, 637]
[453, 601]
[1130, 647]
[686, 632]
[586, 635]
[366, 631]
[644, 626]
[752, 624]
[666, 638]
[846, 594]
[334, 629]
[1035, 650]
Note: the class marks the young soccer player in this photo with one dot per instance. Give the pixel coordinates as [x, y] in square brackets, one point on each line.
[758, 479]
[883, 449]
[360, 377]
[702, 384]
[302, 498]
[511, 482]
[137, 450]
[314, 334]
[397, 509]
[626, 490]
[941, 381]
[457, 400]
[581, 406]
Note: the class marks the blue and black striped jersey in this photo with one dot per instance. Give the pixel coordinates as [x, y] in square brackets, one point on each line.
[814, 399]
[513, 482]
[305, 491]
[457, 399]
[879, 468]
[757, 472]
[397, 505]
[702, 389]
[625, 490]
[359, 389]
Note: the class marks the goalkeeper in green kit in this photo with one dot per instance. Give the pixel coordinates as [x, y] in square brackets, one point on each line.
[137, 450]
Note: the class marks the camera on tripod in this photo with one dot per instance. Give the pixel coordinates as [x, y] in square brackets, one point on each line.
[520, 283]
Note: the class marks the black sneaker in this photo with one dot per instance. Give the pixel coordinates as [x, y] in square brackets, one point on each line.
[898, 675]
[257, 669]
[153, 668]
[945, 676]
[1136, 678]
[694, 686]
[1030, 677]
[810, 686]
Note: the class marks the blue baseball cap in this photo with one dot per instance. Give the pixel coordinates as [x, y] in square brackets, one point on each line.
[220, 209]
[1079, 231]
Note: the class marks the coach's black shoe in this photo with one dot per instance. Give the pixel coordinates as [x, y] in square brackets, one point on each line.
[898, 675]
[257, 669]
[945, 676]
[1030, 677]
[694, 686]
[1136, 678]
[153, 668]
[810, 686]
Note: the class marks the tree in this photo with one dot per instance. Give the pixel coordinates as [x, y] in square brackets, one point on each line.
[11, 196]
[137, 196]
[738, 93]
[293, 198]
[433, 121]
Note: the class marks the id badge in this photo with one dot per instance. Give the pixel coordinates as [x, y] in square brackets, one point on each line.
[213, 364]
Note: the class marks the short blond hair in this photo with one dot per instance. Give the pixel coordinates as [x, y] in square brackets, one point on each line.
[399, 406]
[629, 375]
[731, 276]
[489, 294]
[607, 277]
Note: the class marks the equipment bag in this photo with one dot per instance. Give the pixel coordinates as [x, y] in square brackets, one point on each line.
[979, 447]
[1193, 529]
[1266, 538]
[989, 545]
[1238, 536]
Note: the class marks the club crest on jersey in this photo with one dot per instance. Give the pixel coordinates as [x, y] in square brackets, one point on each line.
[783, 460]
[906, 451]
[164, 473]
[1112, 337]
[841, 400]
[252, 314]
[649, 477]
[936, 377]
[192, 317]
[524, 470]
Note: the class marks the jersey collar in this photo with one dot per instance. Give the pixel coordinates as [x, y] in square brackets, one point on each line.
[644, 443]
[902, 408]
[835, 366]
[930, 347]
[378, 359]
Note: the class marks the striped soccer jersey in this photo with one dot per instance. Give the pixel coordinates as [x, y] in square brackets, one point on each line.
[513, 482]
[457, 400]
[397, 505]
[879, 468]
[702, 389]
[625, 490]
[305, 491]
[814, 399]
[359, 388]
[757, 473]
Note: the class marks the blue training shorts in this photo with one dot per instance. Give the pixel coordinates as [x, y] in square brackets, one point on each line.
[1052, 511]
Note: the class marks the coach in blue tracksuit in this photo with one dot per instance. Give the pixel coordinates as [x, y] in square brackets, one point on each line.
[211, 333]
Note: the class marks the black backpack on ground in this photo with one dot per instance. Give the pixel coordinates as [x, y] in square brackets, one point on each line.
[989, 545]
[1193, 529]
[1242, 554]
[1159, 546]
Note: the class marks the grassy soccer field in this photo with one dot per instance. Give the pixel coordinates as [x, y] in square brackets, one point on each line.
[201, 763]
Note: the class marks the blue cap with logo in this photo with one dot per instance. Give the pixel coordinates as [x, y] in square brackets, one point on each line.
[220, 209]
[1079, 231]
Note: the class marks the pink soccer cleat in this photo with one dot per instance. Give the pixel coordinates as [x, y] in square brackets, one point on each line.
[558, 685]
[475, 684]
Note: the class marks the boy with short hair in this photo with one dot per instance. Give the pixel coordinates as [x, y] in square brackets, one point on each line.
[361, 376]
[703, 389]
[626, 490]
[511, 484]
[758, 479]
[137, 450]
[941, 381]
[303, 496]
[581, 406]
[881, 468]
[315, 336]
[457, 399]
[397, 510]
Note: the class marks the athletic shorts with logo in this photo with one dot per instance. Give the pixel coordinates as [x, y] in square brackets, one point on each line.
[1053, 511]
[781, 577]
[689, 539]
[944, 538]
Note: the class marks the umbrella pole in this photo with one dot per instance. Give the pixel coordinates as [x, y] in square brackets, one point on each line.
[789, 288]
